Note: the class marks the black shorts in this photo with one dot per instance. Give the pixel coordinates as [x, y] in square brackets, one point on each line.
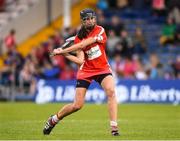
[84, 83]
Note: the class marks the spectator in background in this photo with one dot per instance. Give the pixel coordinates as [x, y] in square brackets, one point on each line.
[39, 52]
[42, 52]
[2, 5]
[112, 3]
[118, 49]
[124, 67]
[171, 4]
[116, 25]
[1, 43]
[138, 4]
[101, 20]
[32, 56]
[67, 73]
[155, 68]
[49, 71]
[125, 45]
[17, 61]
[122, 4]
[102, 4]
[139, 41]
[10, 41]
[140, 72]
[168, 32]
[57, 39]
[45, 48]
[175, 15]
[176, 67]
[27, 78]
[68, 32]
[168, 70]
[35, 67]
[12, 66]
[59, 61]
[118, 65]
[99, 12]
[177, 36]
[159, 7]
[129, 68]
[112, 40]
[6, 72]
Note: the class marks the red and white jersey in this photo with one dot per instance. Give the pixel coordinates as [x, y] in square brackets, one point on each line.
[95, 57]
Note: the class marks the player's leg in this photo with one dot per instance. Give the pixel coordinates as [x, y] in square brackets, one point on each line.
[81, 88]
[75, 106]
[66, 110]
[108, 85]
[69, 108]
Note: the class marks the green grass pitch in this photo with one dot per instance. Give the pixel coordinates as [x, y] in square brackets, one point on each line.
[25, 121]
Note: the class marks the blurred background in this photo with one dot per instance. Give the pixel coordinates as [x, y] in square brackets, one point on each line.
[143, 48]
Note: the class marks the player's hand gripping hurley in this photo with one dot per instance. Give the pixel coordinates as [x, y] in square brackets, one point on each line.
[67, 44]
[68, 47]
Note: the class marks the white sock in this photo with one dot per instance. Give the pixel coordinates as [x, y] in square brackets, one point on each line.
[113, 123]
[55, 119]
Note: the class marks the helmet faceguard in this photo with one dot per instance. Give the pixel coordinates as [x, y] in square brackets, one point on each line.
[88, 14]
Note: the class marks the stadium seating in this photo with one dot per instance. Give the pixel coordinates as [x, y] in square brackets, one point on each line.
[13, 9]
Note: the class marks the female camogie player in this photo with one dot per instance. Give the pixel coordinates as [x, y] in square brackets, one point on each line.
[90, 47]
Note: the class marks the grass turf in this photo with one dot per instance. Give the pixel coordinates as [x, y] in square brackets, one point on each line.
[25, 121]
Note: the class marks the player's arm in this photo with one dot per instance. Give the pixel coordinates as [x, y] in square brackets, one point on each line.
[78, 59]
[77, 46]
